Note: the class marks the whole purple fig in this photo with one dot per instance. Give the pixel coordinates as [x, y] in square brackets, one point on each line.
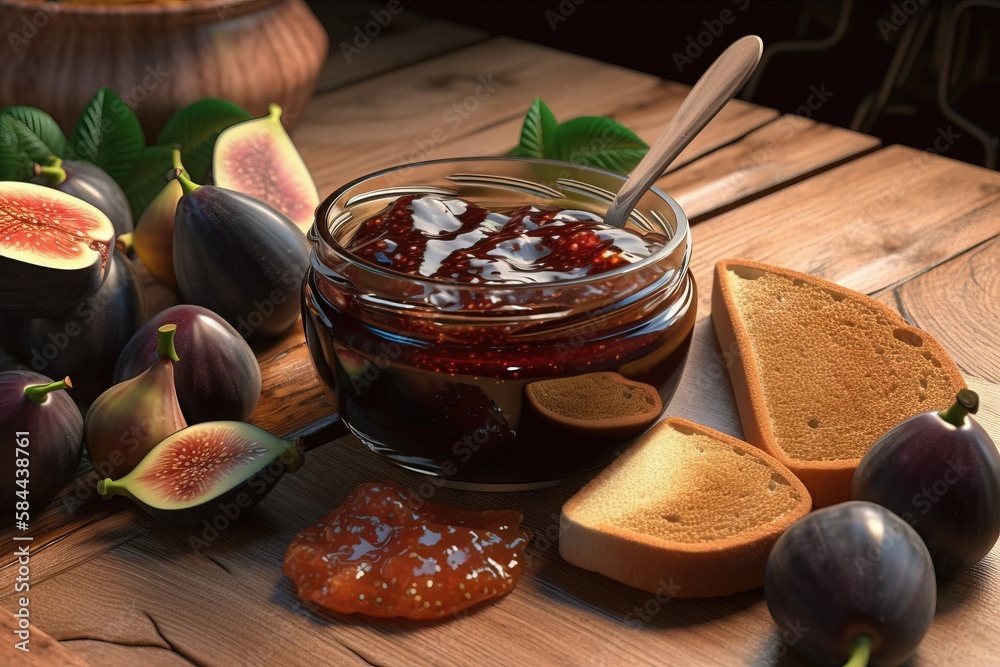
[44, 424]
[940, 472]
[220, 377]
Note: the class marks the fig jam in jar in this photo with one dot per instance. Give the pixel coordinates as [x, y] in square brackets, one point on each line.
[473, 319]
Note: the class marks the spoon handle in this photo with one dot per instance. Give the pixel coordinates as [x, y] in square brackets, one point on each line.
[710, 93]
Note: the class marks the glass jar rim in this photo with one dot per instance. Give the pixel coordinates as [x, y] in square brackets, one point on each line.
[681, 232]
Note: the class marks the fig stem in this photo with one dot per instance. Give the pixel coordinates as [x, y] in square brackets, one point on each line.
[274, 111]
[107, 488]
[124, 242]
[54, 174]
[175, 158]
[861, 652]
[165, 341]
[38, 393]
[966, 402]
[187, 184]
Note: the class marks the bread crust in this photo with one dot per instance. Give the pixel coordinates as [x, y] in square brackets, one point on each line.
[829, 482]
[665, 567]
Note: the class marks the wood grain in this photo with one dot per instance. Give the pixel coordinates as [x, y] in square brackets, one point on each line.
[775, 155]
[959, 303]
[553, 596]
[415, 113]
[867, 225]
[405, 38]
[155, 591]
[41, 649]
[646, 112]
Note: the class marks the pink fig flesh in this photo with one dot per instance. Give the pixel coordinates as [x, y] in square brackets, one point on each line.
[257, 158]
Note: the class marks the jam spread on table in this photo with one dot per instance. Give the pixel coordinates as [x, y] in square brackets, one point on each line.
[456, 240]
[387, 552]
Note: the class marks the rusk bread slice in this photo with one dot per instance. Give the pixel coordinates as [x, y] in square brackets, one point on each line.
[598, 404]
[686, 510]
[821, 372]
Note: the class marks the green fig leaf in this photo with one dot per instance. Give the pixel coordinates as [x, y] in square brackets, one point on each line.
[148, 177]
[598, 142]
[15, 164]
[109, 135]
[195, 129]
[41, 136]
[538, 132]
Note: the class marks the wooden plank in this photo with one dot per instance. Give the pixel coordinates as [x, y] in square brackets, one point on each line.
[414, 113]
[646, 113]
[958, 302]
[735, 119]
[155, 591]
[40, 650]
[775, 155]
[400, 39]
[868, 224]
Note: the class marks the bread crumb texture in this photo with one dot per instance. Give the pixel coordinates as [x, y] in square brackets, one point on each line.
[689, 488]
[594, 397]
[836, 373]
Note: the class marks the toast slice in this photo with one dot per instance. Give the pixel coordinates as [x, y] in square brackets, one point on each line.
[821, 372]
[686, 510]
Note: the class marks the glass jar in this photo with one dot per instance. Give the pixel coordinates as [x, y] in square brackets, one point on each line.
[432, 374]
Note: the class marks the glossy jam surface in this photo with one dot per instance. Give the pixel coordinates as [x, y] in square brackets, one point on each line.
[386, 552]
[459, 241]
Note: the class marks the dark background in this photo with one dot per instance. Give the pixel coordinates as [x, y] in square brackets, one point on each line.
[851, 51]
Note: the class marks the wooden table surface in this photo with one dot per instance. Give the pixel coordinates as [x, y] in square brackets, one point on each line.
[920, 232]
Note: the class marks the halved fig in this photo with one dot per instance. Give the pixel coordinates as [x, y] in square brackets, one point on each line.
[54, 250]
[86, 341]
[209, 469]
[257, 157]
[90, 183]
